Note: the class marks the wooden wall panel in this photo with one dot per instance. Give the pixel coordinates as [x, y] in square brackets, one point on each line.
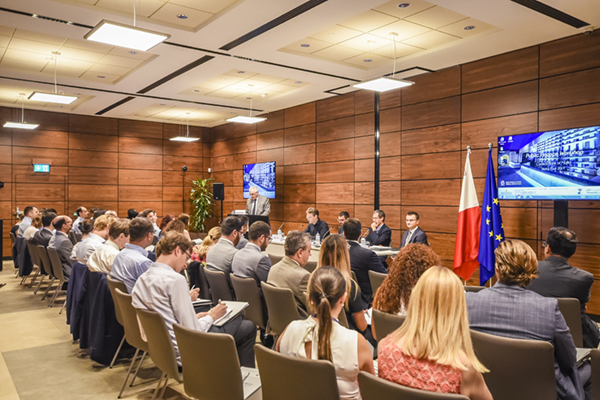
[300, 115]
[335, 193]
[431, 113]
[342, 171]
[335, 107]
[432, 166]
[299, 154]
[305, 173]
[364, 102]
[89, 142]
[299, 193]
[478, 134]
[140, 129]
[97, 125]
[340, 150]
[25, 155]
[140, 161]
[364, 124]
[570, 90]
[140, 145]
[431, 140]
[570, 54]
[364, 147]
[273, 122]
[299, 135]
[41, 138]
[269, 140]
[515, 99]
[390, 120]
[87, 193]
[364, 192]
[335, 129]
[437, 85]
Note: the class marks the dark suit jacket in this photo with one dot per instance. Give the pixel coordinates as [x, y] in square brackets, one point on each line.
[514, 312]
[381, 238]
[418, 237]
[362, 261]
[558, 279]
[321, 227]
[341, 230]
[42, 237]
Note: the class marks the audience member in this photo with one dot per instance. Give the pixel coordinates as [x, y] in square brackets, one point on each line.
[177, 226]
[42, 237]
[321, 337]
[508, 309]
[95, 239]
[163, 289]
[82, 214]
[334, 253]
[220, 256]
[362, 260]
[432, 350]
[243, 241]
[289, 272]
[131, 213]
[15, 229]
[342, 217]
[151, 215]
[315, 224]
[133, 261]
[61, 242]
[93, 211]
[29, 213]
[250, 262]
[556, 278]
[98, 213]
[113, 213]
[166, 219]
[200, 250]
[36, 225]
[102, 258]
[413, 234]
[379, 234]
[257, 204]
[86, 228]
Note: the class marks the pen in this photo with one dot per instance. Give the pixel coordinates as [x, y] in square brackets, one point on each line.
[193, 287]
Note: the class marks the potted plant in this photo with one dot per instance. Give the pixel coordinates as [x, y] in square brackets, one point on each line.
[201, 198]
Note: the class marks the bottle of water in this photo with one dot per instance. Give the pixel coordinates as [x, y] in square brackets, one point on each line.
[279, 233]
[363, 242]
[318, 239]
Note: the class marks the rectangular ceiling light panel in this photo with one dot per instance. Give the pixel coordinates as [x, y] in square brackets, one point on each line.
[245, 120]
[383, 84]
[52, 98]
[20, 125]
[122, 35]
[184, 139]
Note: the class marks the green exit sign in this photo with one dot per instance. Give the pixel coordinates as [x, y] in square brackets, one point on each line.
[41, 167]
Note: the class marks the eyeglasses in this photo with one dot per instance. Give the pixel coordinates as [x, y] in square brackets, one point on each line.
[270, 239]
[188, 255]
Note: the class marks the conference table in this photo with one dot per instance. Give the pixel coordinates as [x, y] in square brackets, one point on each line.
[275, 248]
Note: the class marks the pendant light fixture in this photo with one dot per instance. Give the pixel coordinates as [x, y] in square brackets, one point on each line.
[384, 84]
[22, 124]
[250, 119]
[187, 137]
[55, 97]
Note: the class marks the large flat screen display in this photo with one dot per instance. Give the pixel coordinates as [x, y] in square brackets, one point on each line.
[261, 175]
[555, 165]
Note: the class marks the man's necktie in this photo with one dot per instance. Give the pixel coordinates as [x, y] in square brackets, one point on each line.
[408, 238]
[254, 206]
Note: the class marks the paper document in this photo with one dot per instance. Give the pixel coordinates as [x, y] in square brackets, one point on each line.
[234, 308]
[582, 355]
[251, 381]
[201, 302]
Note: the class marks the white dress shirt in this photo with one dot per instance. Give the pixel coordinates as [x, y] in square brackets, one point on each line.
[102, 259]
[77, 225]
[25, 223]
[29, 232]
[87, 246]
[163, 290]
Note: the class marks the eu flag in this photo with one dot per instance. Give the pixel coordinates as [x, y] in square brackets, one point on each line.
[492, 230]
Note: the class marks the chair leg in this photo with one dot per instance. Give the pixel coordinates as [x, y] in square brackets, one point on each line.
[48, 290]
[56, 293]
[63, 307]
[162, 393]
[159, 385]
[39, 284]
[117, 353]
[128, 371]
[33, 278]
[138, 368]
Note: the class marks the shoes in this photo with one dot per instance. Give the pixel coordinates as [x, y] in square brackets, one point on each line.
[2, 285]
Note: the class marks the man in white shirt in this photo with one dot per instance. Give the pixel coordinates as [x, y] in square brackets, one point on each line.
[102, 259]
[82, 214]
[96, 238]
[29, 213]
[163, 289]
[153, 217]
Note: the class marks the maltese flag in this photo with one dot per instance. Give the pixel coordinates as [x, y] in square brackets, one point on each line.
[469, 220]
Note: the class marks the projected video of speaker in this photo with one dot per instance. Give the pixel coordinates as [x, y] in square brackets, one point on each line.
[554, 165]
[262, 176]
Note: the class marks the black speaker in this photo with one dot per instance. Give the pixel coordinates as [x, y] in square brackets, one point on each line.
[1, 185]
[218, 191]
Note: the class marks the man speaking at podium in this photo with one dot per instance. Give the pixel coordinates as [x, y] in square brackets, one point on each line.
[257, 204]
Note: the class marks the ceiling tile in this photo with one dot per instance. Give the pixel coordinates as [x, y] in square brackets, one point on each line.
[169, 12]
[404, 30]
[336, 34]
[313, 45]
[104, 69]
[436, 17]
[33, 46]
[143, 8]
[402, 50]
[96, 77]
[458, 28]
[376, 61]
[39, 37]
[128, 53]
[391, 8]
[69, 63]
[25, 56]
[210, 86]
[368, 21]
[294, 83]
[22, 64]
[431, 39]
[338, 53]
[77, 54]
[209, 6]
[223, 93]
[87, 45]
[267, 78]
[366, 42]
[280, 88]
[4, 40]
[64, 72]
[120, 61]
[240, 73]
[6, 30]
[225, 80]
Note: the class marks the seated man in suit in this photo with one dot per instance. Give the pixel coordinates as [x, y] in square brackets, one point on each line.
[43, 236]
[342, 217]
[163, 289]
[315, 224]
[29, 214]
[133, 261]
[103, 257]
[507, 309]
[289, 272]
[257, 204]
[250, 262]
[243, 241]
[413, 234]
[95, 239]
[82, 214]
[61, 242]
[362, 260]
[220, 256]
[379, 233]
[556, 278]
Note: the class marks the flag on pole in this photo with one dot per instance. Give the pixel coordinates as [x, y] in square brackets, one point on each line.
[492, 230]
[467, 233]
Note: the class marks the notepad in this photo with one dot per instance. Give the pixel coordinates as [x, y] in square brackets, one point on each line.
[234, 308]
[582, 355]
[251, 380]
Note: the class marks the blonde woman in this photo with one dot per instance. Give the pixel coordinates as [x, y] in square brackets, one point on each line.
[36, 225]
[334, 253]
[432, 350]
[199, 251]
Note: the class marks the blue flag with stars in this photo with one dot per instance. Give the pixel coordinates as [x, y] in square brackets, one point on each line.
[492, 230]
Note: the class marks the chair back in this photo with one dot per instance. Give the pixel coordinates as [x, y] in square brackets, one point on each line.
[44, 260]
[343, 318]
[35, 258]
[219, 285]
[311, 266]
[291, 378]
[72, 237]
[211, 369]
[376, 279]
[130, 319]
[527, 364]
[571, 311]
[385, 323]
[13, 238]
[473, 288]
[197, 278]
[375, 388]
[113, 285]
[595, 361]
[246, 290]
[274, 259]
[57, 269]
[281, 306]
[159, 341]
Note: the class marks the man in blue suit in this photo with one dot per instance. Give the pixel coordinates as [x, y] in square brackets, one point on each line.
[413, 234]
[379, 233]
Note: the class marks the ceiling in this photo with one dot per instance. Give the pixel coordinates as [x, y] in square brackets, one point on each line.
[224, 54]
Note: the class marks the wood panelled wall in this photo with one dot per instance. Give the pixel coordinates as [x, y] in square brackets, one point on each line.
[96, 162]
[324, 150]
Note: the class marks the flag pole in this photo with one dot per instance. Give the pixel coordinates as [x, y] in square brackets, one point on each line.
[490, 281]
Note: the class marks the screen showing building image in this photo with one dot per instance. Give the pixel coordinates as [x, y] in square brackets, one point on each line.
[556, 165]
[261, 175]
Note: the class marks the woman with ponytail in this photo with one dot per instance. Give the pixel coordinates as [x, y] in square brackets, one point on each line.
[322, 337]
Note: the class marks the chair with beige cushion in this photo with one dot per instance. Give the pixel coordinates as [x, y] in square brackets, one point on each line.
[219, 285]
[281, 306]
[376, 279]
[384, 323]
[160, 348]
[291, 378]
[274, 259]
[45, 262]
[571, 311]
[57, 270]
[311, 266]
[246, 290]
[374, 388]
[114, 284]
[527, 364]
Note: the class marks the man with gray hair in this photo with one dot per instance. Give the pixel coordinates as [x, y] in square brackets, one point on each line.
[257, 204]
[289, 273]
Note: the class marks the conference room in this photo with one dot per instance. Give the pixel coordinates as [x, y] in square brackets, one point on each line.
[428, 111]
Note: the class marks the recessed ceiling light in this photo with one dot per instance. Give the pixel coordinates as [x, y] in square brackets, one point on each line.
[196, 91]
[263, 95]
[368, 60]
[133, 52]
[241, 72]
[305, 45]
[403, 5]
[469, 27]
[182, 16]
[122, 35]
[298, 82]
[101, 76]
[162, 104]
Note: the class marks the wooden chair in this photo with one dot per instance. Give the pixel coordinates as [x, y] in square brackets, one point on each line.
[293, 378]
[376, 279]
[36, 264]
[219, 285]
[113, 285]
[374, 388]
[281, 306]
[247, 290]
[385, 323]
[47, 266]
[58, 273]
[527, 364]
[571, 311]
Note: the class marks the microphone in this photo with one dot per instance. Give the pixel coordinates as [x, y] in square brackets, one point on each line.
[281, 226]
[327, 233]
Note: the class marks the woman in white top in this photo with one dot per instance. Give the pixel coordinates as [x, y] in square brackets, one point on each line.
[35, 226]
[322, 337]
